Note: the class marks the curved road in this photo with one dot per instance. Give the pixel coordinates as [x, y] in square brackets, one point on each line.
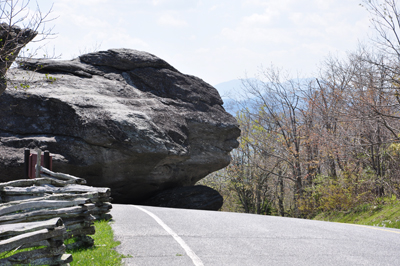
[164, 236]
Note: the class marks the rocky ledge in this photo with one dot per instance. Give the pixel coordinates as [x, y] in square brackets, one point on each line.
[120, 118]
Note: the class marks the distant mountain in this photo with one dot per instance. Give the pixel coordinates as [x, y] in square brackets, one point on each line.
[234, 91]
[233, 88]
[227, 88]
[230, 92]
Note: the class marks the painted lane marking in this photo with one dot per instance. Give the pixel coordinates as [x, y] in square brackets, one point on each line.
[376, 228]
[196, 260]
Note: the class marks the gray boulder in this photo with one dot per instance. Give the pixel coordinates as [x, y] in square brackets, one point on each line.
[120, 118]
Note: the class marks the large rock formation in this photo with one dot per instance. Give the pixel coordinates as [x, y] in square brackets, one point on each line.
[120, 118]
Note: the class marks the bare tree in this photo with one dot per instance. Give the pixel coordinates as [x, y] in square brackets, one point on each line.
[328, 145]
[385, 18]
[15, 14]
[248, 177]
[277, 104]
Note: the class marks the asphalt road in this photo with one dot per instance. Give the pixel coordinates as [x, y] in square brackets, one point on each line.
[164, 236]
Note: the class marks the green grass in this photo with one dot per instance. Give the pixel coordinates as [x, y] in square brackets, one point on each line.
[384, 213]
[103, 253]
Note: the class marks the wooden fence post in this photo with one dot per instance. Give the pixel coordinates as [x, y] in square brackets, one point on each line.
[38, 163]
[46, 162]
[27, 153]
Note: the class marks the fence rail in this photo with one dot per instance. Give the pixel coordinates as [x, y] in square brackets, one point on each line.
[46, 211]
[48, 234]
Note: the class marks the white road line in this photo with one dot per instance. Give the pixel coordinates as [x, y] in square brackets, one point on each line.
[196, 260]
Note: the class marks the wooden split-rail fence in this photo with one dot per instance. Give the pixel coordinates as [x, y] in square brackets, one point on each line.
[44, 212]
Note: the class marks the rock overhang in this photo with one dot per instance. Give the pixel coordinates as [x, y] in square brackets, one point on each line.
[156, 127]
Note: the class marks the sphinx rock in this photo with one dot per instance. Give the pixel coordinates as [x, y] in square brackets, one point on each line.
[120, 118]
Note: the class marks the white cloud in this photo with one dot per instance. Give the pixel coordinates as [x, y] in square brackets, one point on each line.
[214, 7]
[310, 19]
[175, 4]
[80, 2]
[257, 19]
[271, 4]
[324, 4]
[157, 2]
[169, 20]
[310, 32]
[124, 41]
[202, 50]
[259, 35]
[89, 21]
[254, 3]
[215, 40]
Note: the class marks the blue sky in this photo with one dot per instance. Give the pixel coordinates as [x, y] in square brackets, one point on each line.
[216, 40]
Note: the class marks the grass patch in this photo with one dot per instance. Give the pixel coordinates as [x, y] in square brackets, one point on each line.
[383, 213]
[103, 252]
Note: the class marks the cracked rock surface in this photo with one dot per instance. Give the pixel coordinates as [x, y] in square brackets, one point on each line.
[120, 118]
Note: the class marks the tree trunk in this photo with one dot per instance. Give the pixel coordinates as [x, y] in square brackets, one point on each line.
[281, 196]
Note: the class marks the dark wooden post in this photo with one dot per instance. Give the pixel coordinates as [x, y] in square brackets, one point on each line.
[46, 159]
[27, 153]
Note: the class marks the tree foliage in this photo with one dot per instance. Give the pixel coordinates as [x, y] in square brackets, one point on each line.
[324, 144]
